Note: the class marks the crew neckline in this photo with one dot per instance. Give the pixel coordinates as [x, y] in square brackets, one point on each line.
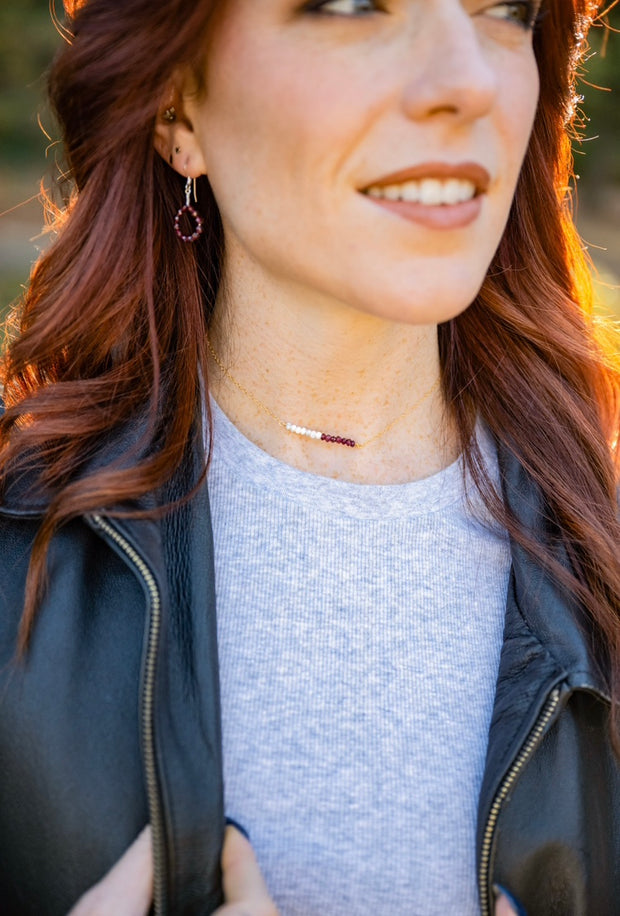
[252, 465]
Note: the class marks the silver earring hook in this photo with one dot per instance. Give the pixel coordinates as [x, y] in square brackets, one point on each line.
[190, 187]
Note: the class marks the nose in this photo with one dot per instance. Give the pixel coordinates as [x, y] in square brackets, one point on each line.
[449, 71]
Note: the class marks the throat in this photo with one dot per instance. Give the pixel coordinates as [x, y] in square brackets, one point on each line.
[370, 411]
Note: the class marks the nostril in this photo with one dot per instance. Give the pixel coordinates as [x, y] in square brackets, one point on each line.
[443, 109]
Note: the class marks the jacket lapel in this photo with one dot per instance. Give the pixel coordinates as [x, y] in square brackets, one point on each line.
[545, 641]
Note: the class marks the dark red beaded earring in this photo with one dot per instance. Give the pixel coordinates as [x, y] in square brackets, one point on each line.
[192, 212]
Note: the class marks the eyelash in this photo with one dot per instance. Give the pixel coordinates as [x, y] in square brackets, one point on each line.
[530, 10]
[367, 6]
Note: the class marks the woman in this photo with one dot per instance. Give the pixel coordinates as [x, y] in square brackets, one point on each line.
[338, 231]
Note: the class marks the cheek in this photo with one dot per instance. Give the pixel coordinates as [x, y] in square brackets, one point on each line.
[519, 92]
[273, 120]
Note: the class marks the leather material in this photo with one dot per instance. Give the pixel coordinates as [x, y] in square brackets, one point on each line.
[556, 845]
[72, 779]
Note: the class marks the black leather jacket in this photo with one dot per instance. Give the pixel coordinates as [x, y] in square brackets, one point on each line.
[114, 721]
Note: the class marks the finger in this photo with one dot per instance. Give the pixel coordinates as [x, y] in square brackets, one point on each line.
[506, 904]
[503, 907]
[245, 891]
[127, 889]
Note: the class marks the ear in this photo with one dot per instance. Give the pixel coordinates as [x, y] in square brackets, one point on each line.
[174, 137]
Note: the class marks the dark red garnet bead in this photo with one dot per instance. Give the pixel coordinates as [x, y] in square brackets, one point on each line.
[339, 440]
[195, 216]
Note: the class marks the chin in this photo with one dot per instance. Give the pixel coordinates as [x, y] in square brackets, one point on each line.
[427, 295]
[425, 307]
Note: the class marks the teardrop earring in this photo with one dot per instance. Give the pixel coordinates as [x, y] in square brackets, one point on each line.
[192, 212]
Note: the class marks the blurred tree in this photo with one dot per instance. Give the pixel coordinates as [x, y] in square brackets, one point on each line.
[28, 40]
[598, 157]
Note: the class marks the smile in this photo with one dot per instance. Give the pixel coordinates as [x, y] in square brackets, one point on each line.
[436, 195]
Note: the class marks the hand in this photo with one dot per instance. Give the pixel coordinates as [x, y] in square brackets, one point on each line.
[245, 891]
[127, 889]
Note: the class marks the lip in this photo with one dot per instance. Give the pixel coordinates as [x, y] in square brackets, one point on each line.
[442, 216]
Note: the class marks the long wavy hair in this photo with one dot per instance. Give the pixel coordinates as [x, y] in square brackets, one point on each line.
[115, 317]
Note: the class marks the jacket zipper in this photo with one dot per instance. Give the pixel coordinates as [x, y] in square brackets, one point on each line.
[531, 743]
[148, 685]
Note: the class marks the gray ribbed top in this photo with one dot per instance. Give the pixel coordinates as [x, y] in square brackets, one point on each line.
[359, 633]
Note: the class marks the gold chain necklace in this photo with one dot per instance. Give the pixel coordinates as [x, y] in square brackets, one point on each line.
[316, 433]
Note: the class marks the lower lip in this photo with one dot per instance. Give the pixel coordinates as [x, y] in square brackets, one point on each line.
[451, 216]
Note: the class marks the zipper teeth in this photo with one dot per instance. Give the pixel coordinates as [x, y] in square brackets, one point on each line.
[525, 753]
[148, 747]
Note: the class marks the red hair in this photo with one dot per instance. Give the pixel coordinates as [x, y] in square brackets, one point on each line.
[115, 317]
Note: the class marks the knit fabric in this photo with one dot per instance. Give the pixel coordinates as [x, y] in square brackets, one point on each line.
[359, 632]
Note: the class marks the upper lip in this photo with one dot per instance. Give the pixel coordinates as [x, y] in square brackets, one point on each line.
[468, 171]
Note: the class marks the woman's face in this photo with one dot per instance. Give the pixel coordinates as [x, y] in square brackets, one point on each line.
[368, 151]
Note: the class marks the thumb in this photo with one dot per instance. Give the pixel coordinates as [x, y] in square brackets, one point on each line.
[245, 891]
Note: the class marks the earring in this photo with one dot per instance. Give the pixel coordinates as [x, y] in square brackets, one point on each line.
[191, 211]
[170, 114]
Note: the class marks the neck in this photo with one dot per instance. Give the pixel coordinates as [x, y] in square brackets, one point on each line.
[330, 368]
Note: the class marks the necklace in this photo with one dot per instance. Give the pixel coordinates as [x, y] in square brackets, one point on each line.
[316, 433]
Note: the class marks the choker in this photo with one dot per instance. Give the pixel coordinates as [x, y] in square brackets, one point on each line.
[306, 431]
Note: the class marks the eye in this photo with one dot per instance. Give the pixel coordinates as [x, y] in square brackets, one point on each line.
[344, 7]
[523, 12]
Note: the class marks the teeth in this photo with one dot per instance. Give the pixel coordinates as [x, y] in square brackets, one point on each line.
[456, 191]
[392, 192]
[411, 192]
[432, 192]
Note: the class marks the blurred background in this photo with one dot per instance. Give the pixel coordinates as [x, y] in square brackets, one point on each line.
[28, 40]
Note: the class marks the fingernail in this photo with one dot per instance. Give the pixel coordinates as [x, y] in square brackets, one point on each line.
[517, 907]
[237, 826]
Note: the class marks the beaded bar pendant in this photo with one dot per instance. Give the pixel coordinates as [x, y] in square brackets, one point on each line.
[317, 434]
